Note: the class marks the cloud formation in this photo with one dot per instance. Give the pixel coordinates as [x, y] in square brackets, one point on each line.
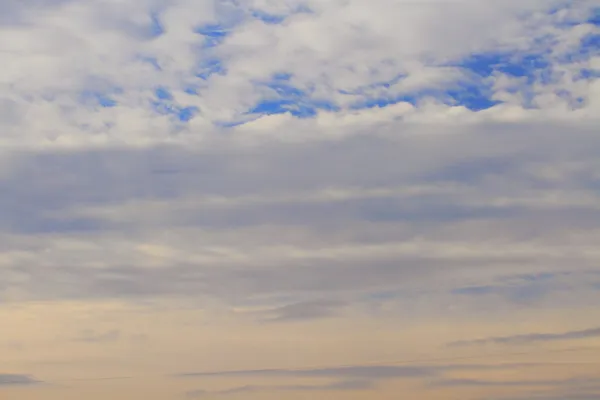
[535, 337]
[352, 385]
[378, 177]
[17, 380]
[356, 372]
[105, 71]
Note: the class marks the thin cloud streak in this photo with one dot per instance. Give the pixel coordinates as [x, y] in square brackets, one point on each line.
[350, 385]
[533, 337]
[18, 380]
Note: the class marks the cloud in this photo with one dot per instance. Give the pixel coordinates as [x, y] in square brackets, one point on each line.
[534, 337]
[516, 383]
[323, 222]
[370, 372]
[575, 395]
[307, 159]
[350, 385]
[17, 380]
[573, 388]
[315, 150]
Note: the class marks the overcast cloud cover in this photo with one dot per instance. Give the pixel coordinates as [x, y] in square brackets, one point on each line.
[239, 185]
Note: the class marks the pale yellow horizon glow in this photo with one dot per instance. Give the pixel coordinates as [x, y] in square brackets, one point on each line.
[149, 346]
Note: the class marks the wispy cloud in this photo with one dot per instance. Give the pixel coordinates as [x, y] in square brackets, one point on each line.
[17, 380]
[350, 385]
[354, 372]
[533, 337]
[515, 383]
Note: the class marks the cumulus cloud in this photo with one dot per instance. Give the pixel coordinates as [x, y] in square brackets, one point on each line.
[105, 71]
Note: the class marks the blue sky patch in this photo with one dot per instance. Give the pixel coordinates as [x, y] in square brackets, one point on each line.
[471, 96]
[211, 30]
[268, 18]
[165, 105]
[209, 67]
[194, 90]
[590, 44]
[153, 61]
[303, 109]
[187, 113]
[474, 97]
[285, 97]
[519, 66]
[156, 26]
[163, 94]
[103, 100]
[383, 84]
[594, 19]
[474, 91]
[214, 34]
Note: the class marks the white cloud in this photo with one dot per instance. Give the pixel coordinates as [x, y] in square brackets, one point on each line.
[53, 51]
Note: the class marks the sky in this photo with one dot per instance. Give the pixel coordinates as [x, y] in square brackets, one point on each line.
[300, 199]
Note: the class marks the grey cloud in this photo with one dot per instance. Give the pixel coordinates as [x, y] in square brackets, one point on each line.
[349, 385]
[42, 185]
[533, 337]
[46, 192]
[17, 380]
[515, 383]
[362, 372]
[230, 282]
[354, 372]
[569, 389]
[13, 12]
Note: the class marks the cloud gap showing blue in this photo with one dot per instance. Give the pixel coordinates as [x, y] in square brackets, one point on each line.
[271, 19]
[471, 96]
[153, 61]
[383, 84]
[208, 67]
[214, 34]
[474, 93]
[519, 66]
[275, 19]
[165, 105]
[99, 99]
[287, 98]
[594, 19]
[156, 26]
